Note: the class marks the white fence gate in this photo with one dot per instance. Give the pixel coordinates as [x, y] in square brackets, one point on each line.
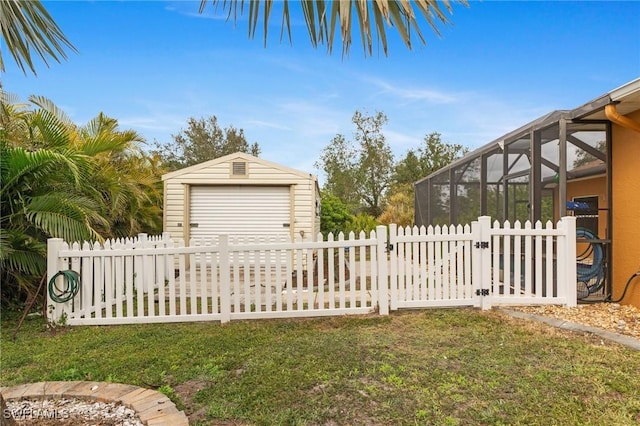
[481, 265]
[156, 280]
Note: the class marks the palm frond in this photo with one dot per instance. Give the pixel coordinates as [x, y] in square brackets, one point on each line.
[28, 29]
[67, 216]
[101, 135]
[46, 104]
[19, 168]
[22, 254]
[47, 131]
[325, 18]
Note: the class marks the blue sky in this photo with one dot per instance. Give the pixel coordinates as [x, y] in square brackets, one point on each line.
[154, 64]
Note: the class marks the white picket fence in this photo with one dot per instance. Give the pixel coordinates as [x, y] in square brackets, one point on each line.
[155, 279]
[476, 265]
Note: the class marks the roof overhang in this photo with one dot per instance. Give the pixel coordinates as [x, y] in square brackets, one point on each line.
[626, 98]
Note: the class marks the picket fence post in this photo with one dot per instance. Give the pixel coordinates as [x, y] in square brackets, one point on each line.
[225, 279]
[570, 278]
[56, 311]
[383, 276]
[484, 225]
[476, 267]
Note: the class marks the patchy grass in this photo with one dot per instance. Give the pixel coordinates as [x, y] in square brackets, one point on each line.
[437, 367]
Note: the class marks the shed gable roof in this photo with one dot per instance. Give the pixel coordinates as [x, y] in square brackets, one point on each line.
[238, 156]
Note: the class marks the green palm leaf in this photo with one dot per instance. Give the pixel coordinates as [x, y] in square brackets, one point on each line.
[22, 254]
[28, 28]
[21, 169]
[61, 215]
[324, 17]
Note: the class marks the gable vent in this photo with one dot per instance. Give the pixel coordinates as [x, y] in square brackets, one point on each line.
[239, 168]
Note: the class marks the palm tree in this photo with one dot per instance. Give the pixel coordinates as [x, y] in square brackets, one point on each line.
[323, 17]
[39, 196]
[27, 27]
[62, 180]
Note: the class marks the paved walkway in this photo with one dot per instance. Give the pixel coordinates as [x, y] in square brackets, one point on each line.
[627, 341]
[152, 407]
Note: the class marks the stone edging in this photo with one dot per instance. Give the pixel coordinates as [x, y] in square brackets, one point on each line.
[152, 407]
[621, 339]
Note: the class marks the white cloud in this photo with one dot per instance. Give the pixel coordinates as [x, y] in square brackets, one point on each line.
[417, 93]
[269, 124]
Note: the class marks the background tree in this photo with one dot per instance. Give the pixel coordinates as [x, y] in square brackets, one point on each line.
[428, 158]
[323, 17]
[418, 163]
[359, 172]
[431, 156]
[203, 140]
[337, 161]
[375, 163]
[583, 157]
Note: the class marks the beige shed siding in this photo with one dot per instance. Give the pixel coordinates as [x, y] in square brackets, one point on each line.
[304, 190]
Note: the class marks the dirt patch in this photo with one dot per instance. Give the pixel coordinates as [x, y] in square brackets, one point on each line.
[186, 392]
[621, 319]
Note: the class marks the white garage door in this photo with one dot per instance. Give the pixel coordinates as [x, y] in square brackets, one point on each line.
[239, 210]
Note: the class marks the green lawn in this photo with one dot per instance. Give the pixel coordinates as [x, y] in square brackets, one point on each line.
[435, 367]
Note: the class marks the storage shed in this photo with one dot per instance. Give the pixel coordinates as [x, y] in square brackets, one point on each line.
[240, 195]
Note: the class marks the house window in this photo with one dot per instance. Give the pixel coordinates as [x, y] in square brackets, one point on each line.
[239, 168]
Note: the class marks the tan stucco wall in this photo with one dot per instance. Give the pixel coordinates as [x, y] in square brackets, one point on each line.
[626, 210]
[596, 186]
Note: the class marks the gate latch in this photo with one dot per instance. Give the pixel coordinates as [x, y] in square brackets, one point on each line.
[482, 292]
[482, 244]
[389, 247]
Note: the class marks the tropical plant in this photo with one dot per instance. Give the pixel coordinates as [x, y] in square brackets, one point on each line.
[335, 216]
[62, 180]
[363, 222]
[27, 29]
[325, 18]
[399, 209]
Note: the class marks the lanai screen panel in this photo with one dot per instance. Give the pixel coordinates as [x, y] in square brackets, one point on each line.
[440, 198]
[494, 189]
[466, 207]
[517, 163]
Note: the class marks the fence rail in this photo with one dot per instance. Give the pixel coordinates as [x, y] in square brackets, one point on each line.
[154, 279]
[157, 280]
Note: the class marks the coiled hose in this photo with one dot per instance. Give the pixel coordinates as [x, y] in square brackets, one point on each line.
[587, 271]
[71, 286]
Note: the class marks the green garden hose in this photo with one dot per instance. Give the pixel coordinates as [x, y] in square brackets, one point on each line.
[70, 289]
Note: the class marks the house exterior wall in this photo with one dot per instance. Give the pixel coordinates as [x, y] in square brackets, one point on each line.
[303, 191]
[593, 186]
[626, 215]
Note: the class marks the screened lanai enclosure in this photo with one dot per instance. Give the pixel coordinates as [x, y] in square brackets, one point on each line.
[552, 167]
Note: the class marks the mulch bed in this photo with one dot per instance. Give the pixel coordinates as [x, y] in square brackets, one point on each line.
[621, 319]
